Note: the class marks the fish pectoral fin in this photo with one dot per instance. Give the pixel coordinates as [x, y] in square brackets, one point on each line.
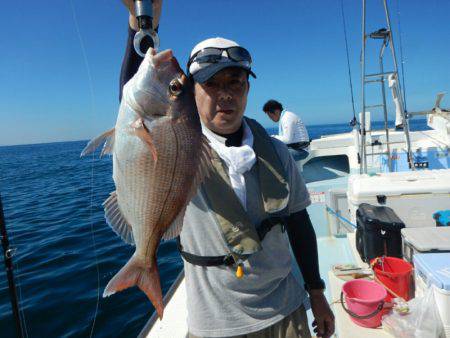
[108, 146]
[135, 273]
[116, 220]
[141, 131]
[204, 168]
[205, 162]
[107, 138]
[175, 228]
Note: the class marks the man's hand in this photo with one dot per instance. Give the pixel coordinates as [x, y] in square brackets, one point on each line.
[323, 316]
[157, 6]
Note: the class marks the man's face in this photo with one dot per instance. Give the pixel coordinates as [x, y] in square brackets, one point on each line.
[275, 115]
[222, 99]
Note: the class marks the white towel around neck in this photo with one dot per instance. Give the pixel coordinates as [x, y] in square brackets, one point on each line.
[239, 160]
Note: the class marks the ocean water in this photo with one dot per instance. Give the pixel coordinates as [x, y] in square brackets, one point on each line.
[65, 253]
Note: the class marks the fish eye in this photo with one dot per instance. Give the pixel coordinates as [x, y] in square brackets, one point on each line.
[175, 87]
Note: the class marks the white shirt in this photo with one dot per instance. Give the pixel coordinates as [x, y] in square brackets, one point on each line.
[291, 129]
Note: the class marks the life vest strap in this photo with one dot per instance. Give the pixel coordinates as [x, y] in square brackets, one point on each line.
[228, 260]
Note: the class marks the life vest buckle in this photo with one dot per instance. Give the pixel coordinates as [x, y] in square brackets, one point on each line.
[228, 260]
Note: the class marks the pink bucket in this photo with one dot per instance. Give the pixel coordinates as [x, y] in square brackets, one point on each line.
[365, 301]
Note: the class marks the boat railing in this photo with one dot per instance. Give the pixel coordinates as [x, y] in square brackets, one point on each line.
[168, 296]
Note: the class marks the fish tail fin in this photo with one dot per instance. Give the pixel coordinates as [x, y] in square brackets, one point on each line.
[135, 273]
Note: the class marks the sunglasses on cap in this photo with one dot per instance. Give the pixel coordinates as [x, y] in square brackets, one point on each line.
[214, 55]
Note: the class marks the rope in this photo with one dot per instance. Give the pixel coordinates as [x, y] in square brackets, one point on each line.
[348, 61]
[334, 213]
[402, 61]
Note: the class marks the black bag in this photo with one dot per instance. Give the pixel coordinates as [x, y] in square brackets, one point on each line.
[378, 232]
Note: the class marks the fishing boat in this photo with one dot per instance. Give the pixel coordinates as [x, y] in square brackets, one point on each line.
[407, 171]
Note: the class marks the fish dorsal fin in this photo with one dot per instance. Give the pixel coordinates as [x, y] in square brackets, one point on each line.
[116, 220]
[175, 228]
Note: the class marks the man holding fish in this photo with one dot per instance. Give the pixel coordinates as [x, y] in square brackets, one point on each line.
[240, 203]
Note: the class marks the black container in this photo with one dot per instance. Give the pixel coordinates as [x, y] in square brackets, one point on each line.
[378, 232]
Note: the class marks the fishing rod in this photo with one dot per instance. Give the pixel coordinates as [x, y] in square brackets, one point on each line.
[147, 36]
[7, 253]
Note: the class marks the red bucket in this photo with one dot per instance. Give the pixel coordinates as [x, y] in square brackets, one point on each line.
[365, 302]
[395, 274]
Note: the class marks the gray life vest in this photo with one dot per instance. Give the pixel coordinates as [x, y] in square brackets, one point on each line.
[238, 231]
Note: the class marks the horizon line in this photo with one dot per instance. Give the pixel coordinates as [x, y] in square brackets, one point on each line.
[265, 127]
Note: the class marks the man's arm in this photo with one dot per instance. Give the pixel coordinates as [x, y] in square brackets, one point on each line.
[130, 63]
[304, 245]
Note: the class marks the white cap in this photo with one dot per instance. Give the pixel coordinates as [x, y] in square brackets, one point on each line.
[203, 71]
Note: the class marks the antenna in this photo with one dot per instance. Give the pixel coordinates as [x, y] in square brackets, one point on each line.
[384, 34]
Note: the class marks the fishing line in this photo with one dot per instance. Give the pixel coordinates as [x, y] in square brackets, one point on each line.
[91, 87]
[22, 312]
[348, 61]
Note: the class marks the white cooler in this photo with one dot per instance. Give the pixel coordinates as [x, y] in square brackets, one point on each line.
[425, 240]
[433, 270]
[414, 196]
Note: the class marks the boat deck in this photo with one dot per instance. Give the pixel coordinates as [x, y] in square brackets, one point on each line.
[344, 326]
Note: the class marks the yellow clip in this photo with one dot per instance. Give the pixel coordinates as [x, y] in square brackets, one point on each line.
[240, 271]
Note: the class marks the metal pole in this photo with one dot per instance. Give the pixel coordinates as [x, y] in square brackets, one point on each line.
[386, 127]
[9, 272]
[404, 116]
[363, 164]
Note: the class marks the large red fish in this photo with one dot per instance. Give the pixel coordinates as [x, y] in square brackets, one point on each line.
[159, 159]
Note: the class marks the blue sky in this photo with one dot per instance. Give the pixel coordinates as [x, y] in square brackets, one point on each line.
[297, 47]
